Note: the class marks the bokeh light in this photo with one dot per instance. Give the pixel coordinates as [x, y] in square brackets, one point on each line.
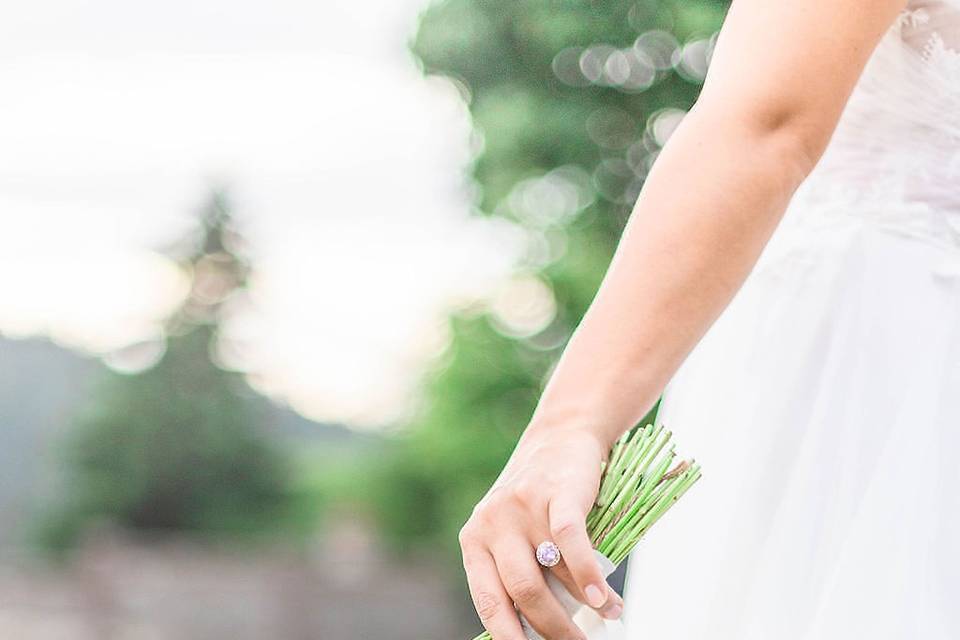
[523, 307]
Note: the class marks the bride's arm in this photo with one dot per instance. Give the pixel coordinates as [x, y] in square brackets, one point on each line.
[780, 76]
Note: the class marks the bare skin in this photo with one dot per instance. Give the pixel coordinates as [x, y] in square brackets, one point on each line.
[779, 79]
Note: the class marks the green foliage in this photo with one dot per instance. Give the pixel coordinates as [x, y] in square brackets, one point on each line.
[175, 447]
[180, 445]
[508, 57]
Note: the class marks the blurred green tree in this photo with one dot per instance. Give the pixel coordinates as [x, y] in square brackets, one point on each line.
[572, 101]
[179, 445]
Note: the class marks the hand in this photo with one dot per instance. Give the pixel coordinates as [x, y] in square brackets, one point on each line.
[543, 493]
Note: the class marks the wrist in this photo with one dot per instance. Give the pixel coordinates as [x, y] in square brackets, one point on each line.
[587, 431]
[605, 406]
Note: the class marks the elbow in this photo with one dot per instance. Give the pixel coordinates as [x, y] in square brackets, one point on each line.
[803, 137]
[792, 137]
[796, 148]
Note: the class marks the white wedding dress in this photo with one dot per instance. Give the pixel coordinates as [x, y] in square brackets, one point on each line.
[824, 404]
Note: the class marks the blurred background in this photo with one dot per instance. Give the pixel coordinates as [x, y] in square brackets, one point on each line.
[280, 284]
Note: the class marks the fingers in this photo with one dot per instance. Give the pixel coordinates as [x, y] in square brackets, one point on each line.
[569, 530]
[611, 609]
[491, 601]
[524, 581]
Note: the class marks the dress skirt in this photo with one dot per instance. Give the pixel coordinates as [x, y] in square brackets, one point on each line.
[824, 406]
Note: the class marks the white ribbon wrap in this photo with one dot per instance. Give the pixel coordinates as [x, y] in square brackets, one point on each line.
[593, 625]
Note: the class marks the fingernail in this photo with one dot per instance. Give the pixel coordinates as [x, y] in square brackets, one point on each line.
[594, 596]
[613, 612]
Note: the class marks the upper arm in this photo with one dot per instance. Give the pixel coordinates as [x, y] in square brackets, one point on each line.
[790, 65]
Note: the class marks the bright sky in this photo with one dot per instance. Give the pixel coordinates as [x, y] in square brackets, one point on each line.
[348, 169]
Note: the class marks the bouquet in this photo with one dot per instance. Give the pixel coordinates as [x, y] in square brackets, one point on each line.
[640, 482]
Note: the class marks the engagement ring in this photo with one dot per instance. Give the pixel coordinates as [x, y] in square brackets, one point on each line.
[548, 554]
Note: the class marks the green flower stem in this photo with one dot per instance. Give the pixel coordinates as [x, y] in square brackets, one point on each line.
[638, 460]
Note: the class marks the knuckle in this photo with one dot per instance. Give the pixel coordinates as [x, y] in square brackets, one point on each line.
[487, 605]
[484, 512]
[526, 492]
[564, 529]
[494, 510]
[466, 536]
[502, 505]
[525, 591]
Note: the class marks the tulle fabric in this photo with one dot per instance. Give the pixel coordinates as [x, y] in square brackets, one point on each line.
[824, 404]
[895, 155]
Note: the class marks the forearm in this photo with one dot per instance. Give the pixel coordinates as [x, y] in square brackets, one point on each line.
[708, 207]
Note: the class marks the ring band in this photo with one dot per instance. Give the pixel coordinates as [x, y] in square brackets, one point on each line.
[548, 554]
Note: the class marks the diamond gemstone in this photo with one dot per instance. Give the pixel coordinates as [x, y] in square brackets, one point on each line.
[548, 554]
